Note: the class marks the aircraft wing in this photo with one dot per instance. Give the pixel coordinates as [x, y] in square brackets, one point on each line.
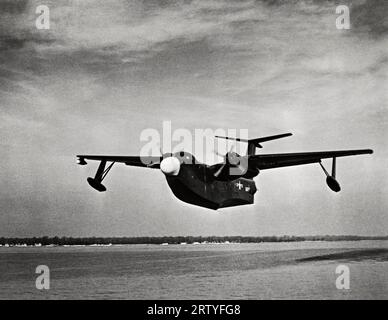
[146, 161]
[269, 161]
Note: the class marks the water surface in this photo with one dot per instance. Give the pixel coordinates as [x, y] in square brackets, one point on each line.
[300, 270]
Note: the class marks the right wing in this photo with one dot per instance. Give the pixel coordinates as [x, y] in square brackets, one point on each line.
[152, 162]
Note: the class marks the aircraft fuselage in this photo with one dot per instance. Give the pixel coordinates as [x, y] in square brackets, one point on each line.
[196, 184]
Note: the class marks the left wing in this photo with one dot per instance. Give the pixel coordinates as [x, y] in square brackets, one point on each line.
[270, 161]
[138, 161]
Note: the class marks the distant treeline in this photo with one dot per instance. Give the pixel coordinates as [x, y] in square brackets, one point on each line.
[176, 240]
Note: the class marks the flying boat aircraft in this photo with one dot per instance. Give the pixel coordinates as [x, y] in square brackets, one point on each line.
[226, 184]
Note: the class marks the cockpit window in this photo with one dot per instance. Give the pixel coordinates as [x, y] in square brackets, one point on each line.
[185, 157]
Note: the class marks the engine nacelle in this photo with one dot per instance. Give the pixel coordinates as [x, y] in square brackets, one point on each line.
[234, 166]
[170, 166]
[333, 184]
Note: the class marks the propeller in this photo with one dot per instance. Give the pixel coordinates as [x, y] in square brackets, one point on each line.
[169, 165]
[164, 155]
[223, 155]
[231, 159]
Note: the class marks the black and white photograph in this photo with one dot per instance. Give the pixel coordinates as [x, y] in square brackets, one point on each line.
[212, 151]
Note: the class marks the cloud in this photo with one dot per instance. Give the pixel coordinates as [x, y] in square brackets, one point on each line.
[108, 69]
[370, 17]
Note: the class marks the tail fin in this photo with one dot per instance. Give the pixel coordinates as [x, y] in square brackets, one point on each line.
[255, 143]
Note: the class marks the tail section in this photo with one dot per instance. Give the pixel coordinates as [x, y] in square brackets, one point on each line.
[256, 143]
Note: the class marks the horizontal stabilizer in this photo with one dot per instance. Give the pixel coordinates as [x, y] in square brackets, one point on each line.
[255, 143]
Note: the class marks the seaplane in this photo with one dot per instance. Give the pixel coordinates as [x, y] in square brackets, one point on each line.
[221, 185]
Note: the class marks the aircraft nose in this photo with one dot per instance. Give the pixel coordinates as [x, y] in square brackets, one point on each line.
[170, 166]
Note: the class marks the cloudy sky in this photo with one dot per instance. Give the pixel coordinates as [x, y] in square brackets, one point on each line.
[106, 70]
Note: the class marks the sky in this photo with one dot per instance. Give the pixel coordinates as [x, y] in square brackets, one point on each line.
[107, 70]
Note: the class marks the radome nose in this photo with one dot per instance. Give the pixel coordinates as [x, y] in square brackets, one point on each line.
[170, 166]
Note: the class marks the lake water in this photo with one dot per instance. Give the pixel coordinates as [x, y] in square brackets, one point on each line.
[301, 270]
